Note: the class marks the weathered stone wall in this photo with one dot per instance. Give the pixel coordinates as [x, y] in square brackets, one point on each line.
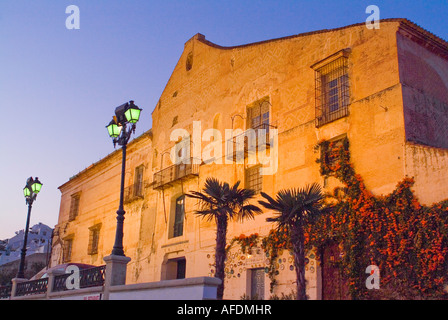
[424, 76]
[99, 188]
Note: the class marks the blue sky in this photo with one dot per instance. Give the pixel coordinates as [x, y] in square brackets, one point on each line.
[59, 87]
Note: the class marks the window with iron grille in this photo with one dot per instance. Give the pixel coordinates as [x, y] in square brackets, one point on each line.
[94, 237]
[67, 250]
[332, 90]
[332, 152]
[74, 206]
[254, 179]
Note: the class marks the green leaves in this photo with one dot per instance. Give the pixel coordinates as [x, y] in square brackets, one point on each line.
[220, 199]
[295, 207]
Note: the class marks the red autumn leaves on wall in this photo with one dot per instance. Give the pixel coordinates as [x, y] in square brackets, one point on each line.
[406, 240]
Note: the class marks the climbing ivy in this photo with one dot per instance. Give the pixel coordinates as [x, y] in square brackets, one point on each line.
[406, 240]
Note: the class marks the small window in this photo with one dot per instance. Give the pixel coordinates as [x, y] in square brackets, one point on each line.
[94, 237]
[67, 250]
[331, 153]
[179, 217]
[189, 62]
[138, 181]
[74, 206]
[254, 179]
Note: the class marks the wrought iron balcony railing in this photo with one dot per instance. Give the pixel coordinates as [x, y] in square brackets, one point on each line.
[5, 291]
[134, 192]
[32, 287]
[249, 141]
[92, 277]
[174, 173]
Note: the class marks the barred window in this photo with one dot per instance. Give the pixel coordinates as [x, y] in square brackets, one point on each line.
[332, 90]
[254, 179]
[74, 206]
[67, 250]
[94, 237]
[332, 152]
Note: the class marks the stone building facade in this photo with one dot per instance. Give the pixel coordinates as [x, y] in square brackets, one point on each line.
[386, 90]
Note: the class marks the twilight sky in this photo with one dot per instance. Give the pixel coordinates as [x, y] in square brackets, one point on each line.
[59, 87]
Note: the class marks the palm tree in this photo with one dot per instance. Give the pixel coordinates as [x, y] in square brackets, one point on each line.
[220, 202]
[296, 208]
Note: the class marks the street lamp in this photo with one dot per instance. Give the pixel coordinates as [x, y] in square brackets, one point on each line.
[32, 188]
[120, 129]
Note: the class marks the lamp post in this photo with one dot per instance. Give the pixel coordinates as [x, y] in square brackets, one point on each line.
[120, 129]
[32, 188]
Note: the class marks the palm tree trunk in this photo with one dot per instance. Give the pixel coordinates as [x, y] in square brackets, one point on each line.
[299, 261]
[220, 255]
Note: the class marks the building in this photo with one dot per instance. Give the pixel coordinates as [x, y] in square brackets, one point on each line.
[39, 241]
[38, 252]
[386, 90]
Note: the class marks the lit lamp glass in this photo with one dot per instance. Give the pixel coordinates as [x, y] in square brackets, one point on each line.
[36, 186]
[26, 192]
[132, 114]
[113, 129]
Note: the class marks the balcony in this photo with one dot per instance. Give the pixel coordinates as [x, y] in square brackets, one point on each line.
[175, 173]
[134, 192]
[249, 141]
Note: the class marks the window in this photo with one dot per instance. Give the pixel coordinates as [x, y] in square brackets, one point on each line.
[67, 250]
[254, 178]
[74, 206]
[179, 217]
[138, 181]
[181, 268]
[332, 88]
[258, 114]
[94, 237]
[332, 153]
[174, 269]
[189, 62]
[258, 118]
[257, 277]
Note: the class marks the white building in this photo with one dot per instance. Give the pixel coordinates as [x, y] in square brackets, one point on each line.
[39, 237]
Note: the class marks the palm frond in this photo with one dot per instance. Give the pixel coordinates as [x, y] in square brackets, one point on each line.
[219, 198]
[295, 206]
